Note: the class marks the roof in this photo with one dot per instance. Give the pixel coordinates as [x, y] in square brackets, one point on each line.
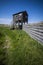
[20, 12]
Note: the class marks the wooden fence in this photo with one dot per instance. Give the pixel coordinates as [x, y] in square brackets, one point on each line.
[35, 31]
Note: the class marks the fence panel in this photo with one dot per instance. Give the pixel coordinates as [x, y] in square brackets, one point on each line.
[35, 31]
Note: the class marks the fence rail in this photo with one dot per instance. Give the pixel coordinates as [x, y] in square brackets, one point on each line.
[35, 31]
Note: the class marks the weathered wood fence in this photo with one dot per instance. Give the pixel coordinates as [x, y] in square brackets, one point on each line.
[35, 31]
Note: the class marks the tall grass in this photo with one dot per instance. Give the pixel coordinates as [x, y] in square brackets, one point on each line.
[23, 49]
[2, 50]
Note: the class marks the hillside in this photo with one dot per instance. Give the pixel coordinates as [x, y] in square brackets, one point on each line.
[18, 48]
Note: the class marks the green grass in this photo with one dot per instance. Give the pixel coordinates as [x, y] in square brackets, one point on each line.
[2, 50]
[23, 50]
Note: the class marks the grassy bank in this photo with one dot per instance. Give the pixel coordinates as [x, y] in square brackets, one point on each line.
[21, 49]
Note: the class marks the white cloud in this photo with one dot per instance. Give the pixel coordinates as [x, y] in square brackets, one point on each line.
[5, 21]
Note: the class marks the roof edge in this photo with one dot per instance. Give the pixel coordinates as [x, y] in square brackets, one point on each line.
[20, 12]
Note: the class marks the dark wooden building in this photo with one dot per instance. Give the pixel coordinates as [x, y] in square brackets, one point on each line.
[20, 18]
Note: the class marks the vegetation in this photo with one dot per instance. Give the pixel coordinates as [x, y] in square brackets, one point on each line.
[17, 48]
[2, 50]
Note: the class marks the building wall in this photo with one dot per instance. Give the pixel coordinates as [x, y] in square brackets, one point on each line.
[17, 17]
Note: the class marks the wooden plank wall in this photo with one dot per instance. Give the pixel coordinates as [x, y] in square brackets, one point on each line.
[35, 31]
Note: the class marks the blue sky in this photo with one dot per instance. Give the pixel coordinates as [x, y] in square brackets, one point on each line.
[34, 9]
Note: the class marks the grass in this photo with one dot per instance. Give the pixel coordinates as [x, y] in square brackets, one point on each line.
[2, 51]
[23, 50]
